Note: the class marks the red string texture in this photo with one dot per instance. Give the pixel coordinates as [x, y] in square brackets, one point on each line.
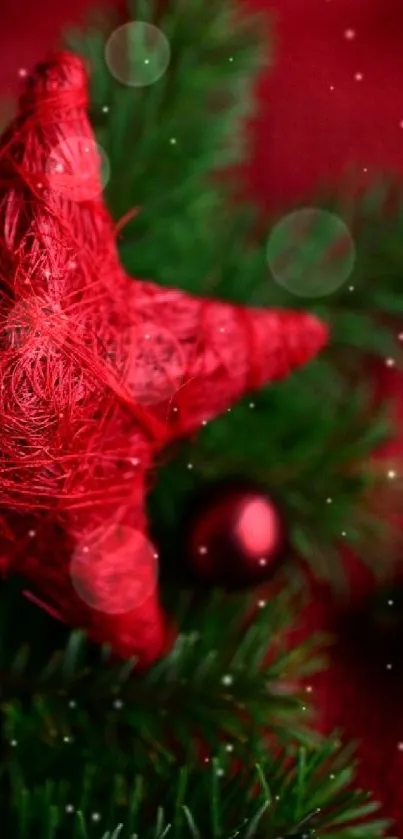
[98, 372]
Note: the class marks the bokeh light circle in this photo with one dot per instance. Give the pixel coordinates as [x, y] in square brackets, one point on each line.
[311, 252]
[115, 569]
[137, 54]
[78, 169]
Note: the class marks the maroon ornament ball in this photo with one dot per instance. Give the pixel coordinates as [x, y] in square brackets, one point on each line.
[235, 536]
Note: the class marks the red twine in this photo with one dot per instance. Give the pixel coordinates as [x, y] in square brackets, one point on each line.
[98, 372]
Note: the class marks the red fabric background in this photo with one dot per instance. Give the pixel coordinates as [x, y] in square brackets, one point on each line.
[315, 119]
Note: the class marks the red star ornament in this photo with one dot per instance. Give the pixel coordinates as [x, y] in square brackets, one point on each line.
[98, 372]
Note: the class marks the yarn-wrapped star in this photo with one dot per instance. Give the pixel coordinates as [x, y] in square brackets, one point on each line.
[98, 372]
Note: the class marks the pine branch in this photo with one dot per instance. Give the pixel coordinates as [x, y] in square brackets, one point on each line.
[300, 794]
[231, 673]
[160, 129]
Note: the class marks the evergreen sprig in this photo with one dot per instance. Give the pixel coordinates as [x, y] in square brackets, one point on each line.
[230, 674]
[294, 795]
[230, 684]
[212, 741]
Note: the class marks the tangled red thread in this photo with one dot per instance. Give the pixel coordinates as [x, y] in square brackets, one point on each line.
[98, 372]
[69, 422]
[66, 410]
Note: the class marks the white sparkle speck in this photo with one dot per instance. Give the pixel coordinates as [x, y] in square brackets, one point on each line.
[262, 604]
[202, 550]
[72, 703]
[391, 602]
[263, 561]
[358, 77]
[389, 666]
[105, 109]
[31, 533]
[22, 72]
[349, 34]
[227, 679]
[329, 500]
[229, 747]
[251, 404]
[96, 817]
[118, 704]
[391, 474]
[13, 743]
[69, 808]
[390, 362]
[400, 747]
[190, 465]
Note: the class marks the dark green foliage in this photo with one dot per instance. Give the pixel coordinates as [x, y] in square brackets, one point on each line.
[213, 740]
[184, 695]
[230, 679]
[305, 794]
